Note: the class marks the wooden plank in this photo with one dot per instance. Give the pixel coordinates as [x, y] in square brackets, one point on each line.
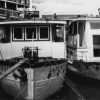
[12, 68]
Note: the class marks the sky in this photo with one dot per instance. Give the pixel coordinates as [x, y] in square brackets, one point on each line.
[68, 6]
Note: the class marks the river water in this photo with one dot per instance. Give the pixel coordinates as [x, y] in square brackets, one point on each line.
[89, 88]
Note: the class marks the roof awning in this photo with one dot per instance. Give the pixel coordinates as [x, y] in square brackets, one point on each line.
[33, 22]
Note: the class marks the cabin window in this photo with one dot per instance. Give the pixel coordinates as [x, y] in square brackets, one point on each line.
[72, 34]
[18, 33]
[96, 45]
[81, 29]
[58, 33]
[30, 33]
[1, 33]
[95, 25]
[44, 33]
[5, 34]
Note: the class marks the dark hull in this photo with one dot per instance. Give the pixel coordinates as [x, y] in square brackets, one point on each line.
[42, 82]
[90, 70]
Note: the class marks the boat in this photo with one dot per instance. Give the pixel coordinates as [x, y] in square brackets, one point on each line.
[83, 46]
[32, 57]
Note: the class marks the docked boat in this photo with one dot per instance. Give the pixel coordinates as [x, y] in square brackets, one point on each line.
[83, 48]
[32, 57]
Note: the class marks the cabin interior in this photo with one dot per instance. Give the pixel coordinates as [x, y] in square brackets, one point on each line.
[48, 37]
[83, 37]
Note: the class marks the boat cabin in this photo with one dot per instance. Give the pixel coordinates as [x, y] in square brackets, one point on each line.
[83, 38]
[48, 36]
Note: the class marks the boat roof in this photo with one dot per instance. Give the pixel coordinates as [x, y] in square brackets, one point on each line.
[86, 19]
[32, 22]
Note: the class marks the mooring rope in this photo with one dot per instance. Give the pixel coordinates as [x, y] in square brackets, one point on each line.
[19, 93]
[68, 82]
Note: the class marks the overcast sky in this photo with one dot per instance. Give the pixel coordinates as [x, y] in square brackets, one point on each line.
[68, 6]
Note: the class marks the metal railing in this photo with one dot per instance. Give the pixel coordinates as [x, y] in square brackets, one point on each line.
[26, 2]
[8, 13]
[12, 0]
[83, 55]
[2, 11]
[12, 13]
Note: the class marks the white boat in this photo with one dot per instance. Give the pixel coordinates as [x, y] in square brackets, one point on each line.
[32, 58]
[83, 48]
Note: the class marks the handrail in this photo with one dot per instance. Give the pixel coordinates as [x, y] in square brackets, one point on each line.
[83, 54]
[11, 0]
[18, 1]
[11, 13]
[2, 11]
[73, 57]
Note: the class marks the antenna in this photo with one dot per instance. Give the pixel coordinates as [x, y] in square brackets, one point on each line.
[34, 5]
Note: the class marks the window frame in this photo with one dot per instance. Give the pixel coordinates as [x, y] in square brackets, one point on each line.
[30, 27]
[96, 46]
[22, 33]
[72, 35]
[60, 33]
[94, 25]
[81, 36]
[3, 32]
[48, 33]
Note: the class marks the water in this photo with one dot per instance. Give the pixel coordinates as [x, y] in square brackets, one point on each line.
[3, 96]
[61, 95]
[89, 88]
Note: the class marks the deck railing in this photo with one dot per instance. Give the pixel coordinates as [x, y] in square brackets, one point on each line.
[2, 11]
[8, 13]
[12, 0]
[26, 2]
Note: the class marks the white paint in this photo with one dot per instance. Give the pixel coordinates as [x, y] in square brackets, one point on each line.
[47, 49]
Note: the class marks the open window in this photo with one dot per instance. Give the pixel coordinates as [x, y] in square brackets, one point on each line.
[1, 33]
[5, 34]
[31, 33]
[72, 34]
[81, 32]
[58, 33]
[18, 33]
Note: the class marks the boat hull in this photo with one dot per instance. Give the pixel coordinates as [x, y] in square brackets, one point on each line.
[42, 82]
[90, 70]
